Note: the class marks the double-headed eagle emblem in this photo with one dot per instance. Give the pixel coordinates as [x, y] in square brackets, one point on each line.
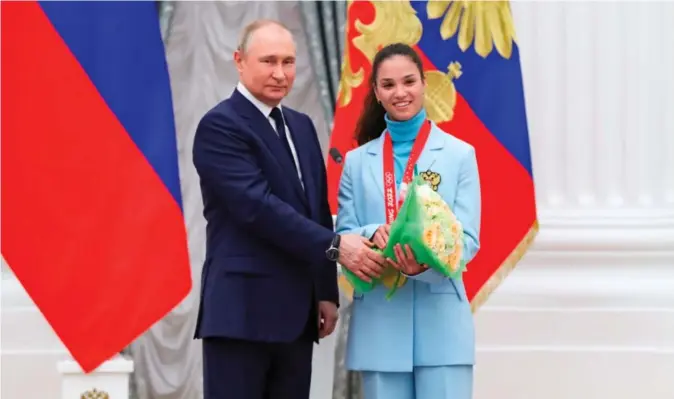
[95, 394]
[432, 178]
[484, 25]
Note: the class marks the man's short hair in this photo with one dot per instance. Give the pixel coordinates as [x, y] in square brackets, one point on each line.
[249, 29]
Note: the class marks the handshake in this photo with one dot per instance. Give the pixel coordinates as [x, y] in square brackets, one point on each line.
[365, 258]
[425, 234]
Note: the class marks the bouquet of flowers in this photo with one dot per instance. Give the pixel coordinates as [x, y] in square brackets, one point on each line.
[427, 224]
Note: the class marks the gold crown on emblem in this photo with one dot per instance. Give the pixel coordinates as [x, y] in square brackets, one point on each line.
[95, 394]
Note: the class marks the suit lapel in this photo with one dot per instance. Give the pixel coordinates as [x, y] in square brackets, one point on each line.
[426, 159]
[375, 150]
[263, 129]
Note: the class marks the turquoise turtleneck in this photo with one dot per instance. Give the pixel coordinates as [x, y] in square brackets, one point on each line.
[403, 134]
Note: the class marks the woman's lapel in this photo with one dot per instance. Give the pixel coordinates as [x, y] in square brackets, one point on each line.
[375, 162]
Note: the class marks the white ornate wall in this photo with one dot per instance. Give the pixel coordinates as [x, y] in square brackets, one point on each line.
[589, 313]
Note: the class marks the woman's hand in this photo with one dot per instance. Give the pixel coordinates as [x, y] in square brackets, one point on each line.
[380, 237]
[406, 262]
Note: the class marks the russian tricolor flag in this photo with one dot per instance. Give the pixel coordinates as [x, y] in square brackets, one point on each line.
[92, 222]
[475, 92]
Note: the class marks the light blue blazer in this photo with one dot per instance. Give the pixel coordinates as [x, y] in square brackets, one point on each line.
[428, 322]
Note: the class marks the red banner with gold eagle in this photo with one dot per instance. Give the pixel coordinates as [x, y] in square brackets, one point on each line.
[475, 92]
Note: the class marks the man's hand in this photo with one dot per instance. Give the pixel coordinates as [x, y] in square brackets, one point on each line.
[327, 318]
[380, 237]
[356, 254]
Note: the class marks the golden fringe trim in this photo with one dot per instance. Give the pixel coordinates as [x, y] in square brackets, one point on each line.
[504, 270]
[490, 286]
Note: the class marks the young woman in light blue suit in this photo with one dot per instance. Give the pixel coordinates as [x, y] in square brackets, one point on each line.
[419, 344]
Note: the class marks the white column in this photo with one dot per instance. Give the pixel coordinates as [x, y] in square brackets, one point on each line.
[600, 94]
[589, 312]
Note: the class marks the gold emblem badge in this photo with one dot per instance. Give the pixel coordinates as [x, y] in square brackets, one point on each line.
[432, 178]
[95, 394]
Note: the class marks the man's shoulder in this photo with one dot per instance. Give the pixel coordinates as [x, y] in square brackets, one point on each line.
[221, 113]
[223, 107]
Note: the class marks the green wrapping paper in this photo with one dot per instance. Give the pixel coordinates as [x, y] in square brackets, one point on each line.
[427, 224]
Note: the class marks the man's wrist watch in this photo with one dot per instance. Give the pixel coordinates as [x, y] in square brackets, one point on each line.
[333, 252]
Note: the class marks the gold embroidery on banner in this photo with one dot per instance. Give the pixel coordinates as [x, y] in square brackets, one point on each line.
[488, 24]
[440, 95]
[394, 22]
[349, 79]
[397, 22]
[483, 24]
[95, 394]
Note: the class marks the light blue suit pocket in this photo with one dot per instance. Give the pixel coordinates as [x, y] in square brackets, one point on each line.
[448, 286]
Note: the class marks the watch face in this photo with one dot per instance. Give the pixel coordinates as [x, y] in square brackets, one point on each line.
[332, 254]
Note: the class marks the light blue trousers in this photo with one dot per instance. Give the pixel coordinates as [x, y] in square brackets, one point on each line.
[444, 382]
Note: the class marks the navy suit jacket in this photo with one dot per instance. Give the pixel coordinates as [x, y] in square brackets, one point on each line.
[266, 264]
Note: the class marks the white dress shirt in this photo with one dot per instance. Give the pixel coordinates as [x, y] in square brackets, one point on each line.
[266, 111]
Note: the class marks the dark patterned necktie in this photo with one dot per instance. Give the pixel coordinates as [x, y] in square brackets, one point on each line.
[281, 130]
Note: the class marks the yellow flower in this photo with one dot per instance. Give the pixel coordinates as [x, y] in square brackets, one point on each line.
[454, 260]
[431, 234]
[443, 233]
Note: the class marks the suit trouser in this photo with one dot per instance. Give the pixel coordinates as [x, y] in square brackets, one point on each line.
[442, 382]
[240, 369]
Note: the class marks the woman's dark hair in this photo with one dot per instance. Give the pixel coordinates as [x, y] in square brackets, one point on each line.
[371, 123]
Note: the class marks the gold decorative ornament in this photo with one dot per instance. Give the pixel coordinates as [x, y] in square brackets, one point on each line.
[440, 94]
[349, 79]
[483, 24]
[95, 394]
[432, 178]
[394, 22]
[488, 24]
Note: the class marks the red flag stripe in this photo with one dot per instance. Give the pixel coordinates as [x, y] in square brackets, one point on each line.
[89, 229]
[507, 193]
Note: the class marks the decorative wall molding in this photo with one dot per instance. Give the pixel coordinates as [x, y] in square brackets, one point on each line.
[589, 311]
[569, 331]
[598, 99]
[597, 234]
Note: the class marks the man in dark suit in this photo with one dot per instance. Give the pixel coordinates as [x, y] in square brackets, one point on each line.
[269, 283]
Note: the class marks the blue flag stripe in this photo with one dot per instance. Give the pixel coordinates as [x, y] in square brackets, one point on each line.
[119, 46]
[492, 86]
